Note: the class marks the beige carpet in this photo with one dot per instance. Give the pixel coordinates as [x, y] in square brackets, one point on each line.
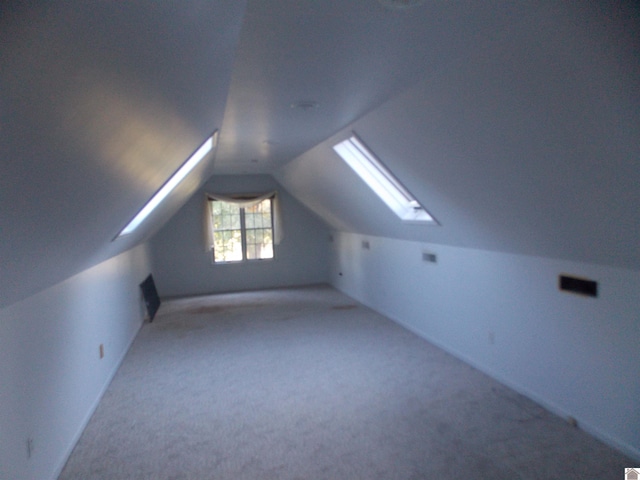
[307, 384]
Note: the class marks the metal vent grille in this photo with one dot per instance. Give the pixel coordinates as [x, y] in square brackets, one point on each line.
[401, 4]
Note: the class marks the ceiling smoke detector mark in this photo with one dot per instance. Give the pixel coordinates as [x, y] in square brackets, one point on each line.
[305, 105]
[401, 4]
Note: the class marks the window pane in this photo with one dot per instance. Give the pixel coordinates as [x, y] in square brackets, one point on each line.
[227, 235]
[228, 246]
[235, 255]
[230, 208]
[268, 236]
[266, 251]
[225, 246]
[266, 248]
[218, 247]
[259, 243]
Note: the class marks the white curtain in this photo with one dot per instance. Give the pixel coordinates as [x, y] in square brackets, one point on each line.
[243, 201]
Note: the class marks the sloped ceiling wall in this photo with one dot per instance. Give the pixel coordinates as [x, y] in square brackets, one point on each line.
[515, 123]
[530, 143]
[100, 102]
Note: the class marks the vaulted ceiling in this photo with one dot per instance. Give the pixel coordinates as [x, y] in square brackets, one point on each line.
[515, 123]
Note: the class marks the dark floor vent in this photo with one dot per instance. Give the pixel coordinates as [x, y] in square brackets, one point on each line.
[578, 285]
[150, 295]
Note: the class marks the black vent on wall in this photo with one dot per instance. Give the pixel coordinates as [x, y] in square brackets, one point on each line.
[578, 285]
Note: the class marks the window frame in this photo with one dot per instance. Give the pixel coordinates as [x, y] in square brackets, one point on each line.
[243, 230]
[382, 182]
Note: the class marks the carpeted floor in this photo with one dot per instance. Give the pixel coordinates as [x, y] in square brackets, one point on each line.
[307, 384]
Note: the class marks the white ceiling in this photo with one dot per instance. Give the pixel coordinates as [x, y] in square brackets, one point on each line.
[516, 123]
[348, 57]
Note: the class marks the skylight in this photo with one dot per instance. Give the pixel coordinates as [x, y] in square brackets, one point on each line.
[382, 181]
[172, 183]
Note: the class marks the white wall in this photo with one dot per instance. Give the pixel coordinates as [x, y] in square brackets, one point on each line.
[181, 265]
[51, 376]
[504, 314]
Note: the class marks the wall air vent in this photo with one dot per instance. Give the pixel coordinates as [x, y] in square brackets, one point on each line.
[577, 285]
[429, 257]
[401, 4]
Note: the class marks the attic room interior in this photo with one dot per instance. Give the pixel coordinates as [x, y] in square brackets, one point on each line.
[511, 129]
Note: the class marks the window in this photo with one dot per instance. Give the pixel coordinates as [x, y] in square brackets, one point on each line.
[171, 183]
[242, 230]
[382, 181]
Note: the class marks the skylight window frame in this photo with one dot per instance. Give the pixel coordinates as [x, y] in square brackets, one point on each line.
[172, 182]
[382, 182]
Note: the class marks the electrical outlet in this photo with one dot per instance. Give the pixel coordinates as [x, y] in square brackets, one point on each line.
[366, 245]
[30, 447]
[101, 351]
